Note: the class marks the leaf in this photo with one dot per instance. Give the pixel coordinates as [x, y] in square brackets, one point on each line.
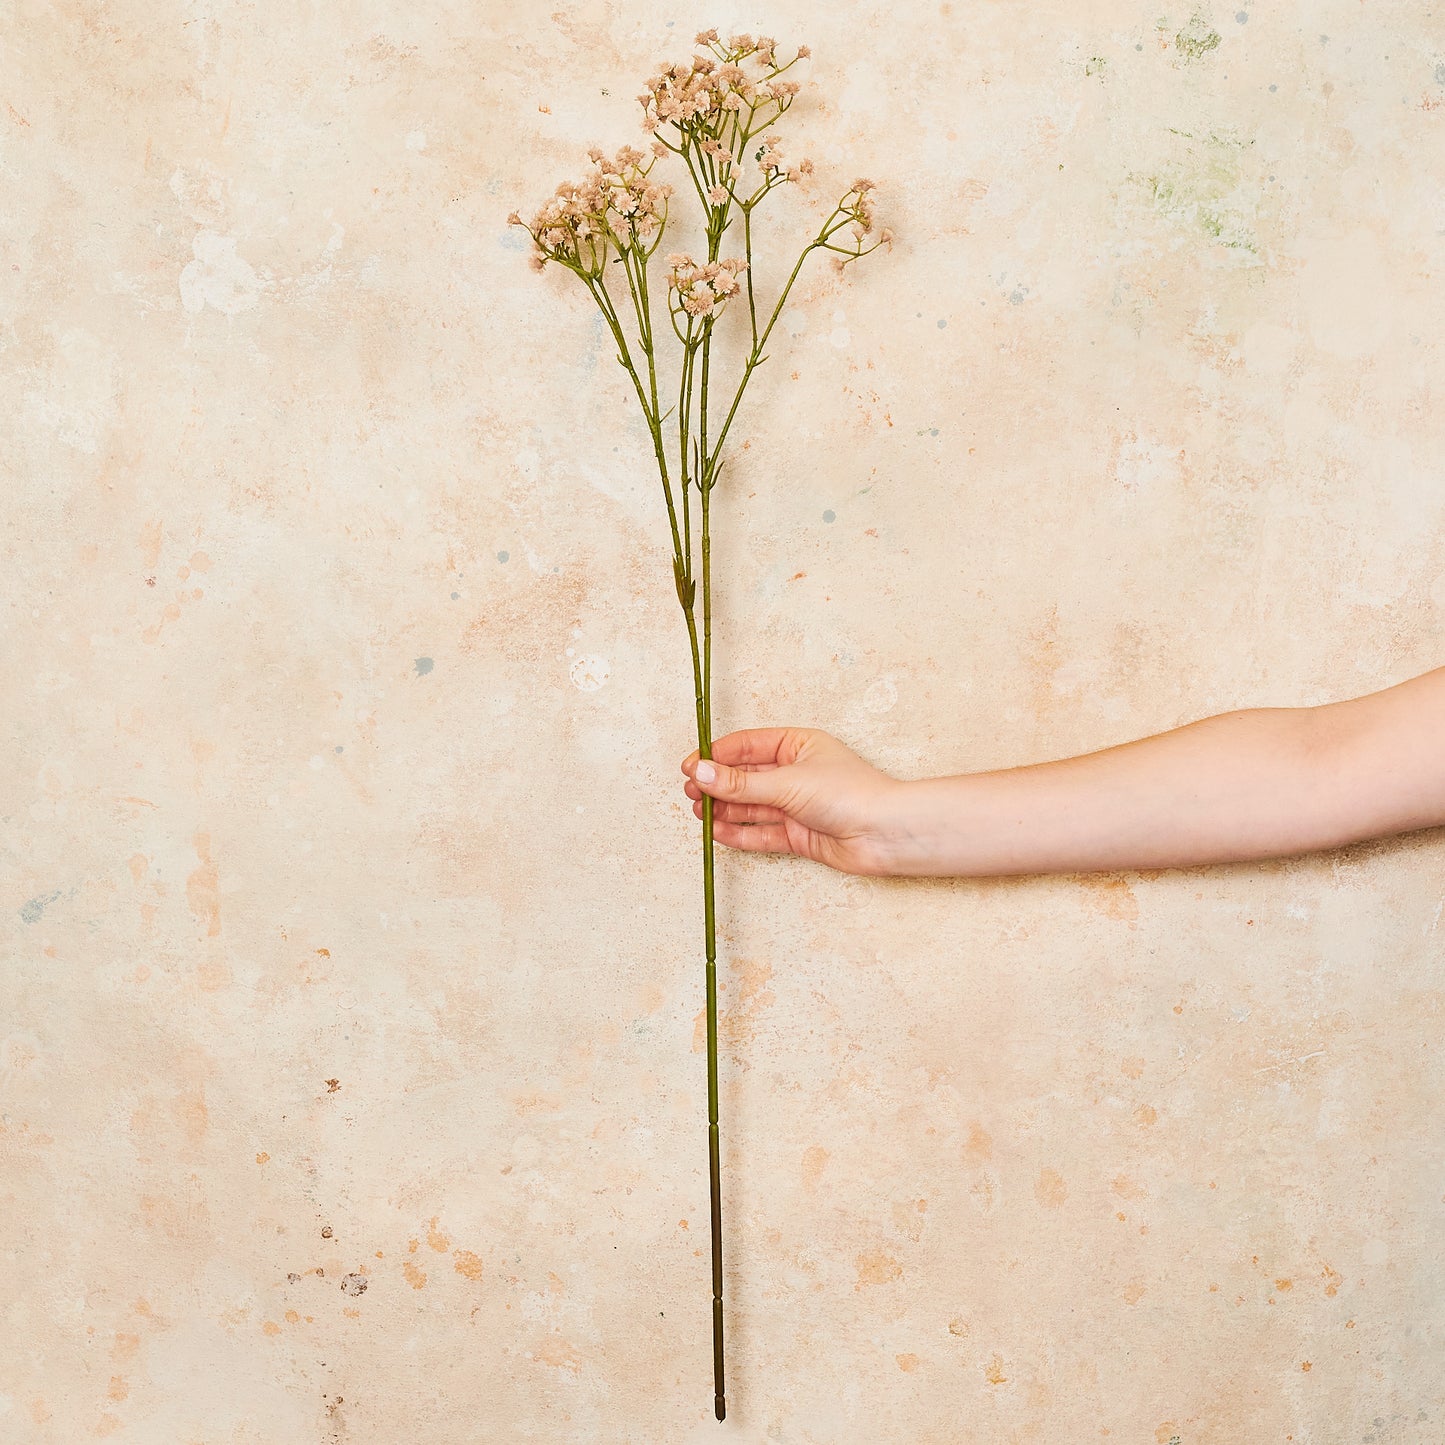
[686, 587]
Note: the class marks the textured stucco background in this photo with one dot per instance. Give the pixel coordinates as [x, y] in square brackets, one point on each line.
[351, 1069]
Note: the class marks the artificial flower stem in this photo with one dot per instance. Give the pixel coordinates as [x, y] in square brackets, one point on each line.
[703, 701]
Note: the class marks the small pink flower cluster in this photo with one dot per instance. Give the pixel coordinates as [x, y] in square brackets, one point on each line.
[716, 82]
[618, 202]
[767, 157]
[862, 209]
[703, 290]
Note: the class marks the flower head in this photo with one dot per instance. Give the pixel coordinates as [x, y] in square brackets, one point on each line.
[617, 205]
[703, 290]
[696, 96]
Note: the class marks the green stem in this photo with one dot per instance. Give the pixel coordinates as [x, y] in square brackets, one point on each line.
[702, 697]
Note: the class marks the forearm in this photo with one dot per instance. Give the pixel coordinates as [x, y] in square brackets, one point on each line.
[1243, 785]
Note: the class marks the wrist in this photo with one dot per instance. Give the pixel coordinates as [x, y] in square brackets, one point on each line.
[919, 817]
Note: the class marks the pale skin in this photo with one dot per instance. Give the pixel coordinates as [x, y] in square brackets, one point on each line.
[1241, 786]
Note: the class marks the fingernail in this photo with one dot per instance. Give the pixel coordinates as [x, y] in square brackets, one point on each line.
[706, 773]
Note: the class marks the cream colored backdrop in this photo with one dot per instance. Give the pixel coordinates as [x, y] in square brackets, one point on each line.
[351, 1061]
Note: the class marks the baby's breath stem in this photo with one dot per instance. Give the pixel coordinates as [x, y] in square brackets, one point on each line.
[748, 257]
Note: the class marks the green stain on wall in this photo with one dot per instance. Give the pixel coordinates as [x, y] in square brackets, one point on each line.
[1197, 38]
[1204, 190]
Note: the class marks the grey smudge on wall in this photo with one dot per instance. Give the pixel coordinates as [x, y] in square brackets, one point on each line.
[423, 666]
[31, 911]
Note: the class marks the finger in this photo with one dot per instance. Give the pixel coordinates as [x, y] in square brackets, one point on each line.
[695, 794]
[752, 745]
[769, 786]
[726, 744]
[759, 838]
[740, 812]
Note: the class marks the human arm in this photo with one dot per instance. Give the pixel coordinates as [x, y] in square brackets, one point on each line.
[1244, 785]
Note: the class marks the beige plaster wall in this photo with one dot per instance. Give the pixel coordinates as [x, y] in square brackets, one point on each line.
[351, 1070]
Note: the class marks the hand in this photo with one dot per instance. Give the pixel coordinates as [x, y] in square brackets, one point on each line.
[799, 790]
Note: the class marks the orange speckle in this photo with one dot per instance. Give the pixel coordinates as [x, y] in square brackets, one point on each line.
[814, 1158]
[351, 1314]
[1179, 1008]
[554, 1350]
[262, 1157]
[1113, 897]
[907, 1363]
[106, 1425]
[1146, 1113]
[271, 1328]
[1131, 1067]
[797, 576]
[118, 1388]
[1284, 1284]
[1349, 1324]
[415, 1277]
[876, 1266]
[412, 1245]
[468, 1264]
[324, 952]
[1332, 1287]
[125, 1347]
[436, 1238]
[150, 543]
[993, 1371]
[1134, 1292]
[1121, 1216]
[203, 886]
[380, 1255]
[212, 977]
[979, 1147]
[292, 1317]
[1126, 1188]
[1305, 1366]
[682, 1224]
[1050, 1189]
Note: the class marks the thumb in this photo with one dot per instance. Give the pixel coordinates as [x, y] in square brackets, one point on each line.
[770, 787]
